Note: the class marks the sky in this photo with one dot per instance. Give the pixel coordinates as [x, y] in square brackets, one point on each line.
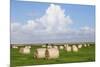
[35, 22]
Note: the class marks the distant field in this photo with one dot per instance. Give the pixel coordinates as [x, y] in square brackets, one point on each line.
[85, 54]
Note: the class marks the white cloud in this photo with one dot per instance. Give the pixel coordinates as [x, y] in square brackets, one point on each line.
[30, 25]
[15, 27]
[87, 30]
[54, 24]
[55, 19]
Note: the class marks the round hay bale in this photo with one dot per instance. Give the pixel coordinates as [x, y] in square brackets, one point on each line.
[24, 50]
[14, 46]
[21, 50]
[74, 48]
[88, 44]
[39, 53]
[68, 48]
[80, 46]
[43, 45]
[55, 47]
[27, 46]
[61, 47]
[85, 45]
[65, 45]
[49, 46]
[52, 53]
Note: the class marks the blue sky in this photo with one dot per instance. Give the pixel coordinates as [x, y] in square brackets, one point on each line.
[33, 22]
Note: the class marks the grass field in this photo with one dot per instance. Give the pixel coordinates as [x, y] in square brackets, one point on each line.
[85, 54]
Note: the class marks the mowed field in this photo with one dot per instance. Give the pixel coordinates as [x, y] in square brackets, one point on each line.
[85, 54]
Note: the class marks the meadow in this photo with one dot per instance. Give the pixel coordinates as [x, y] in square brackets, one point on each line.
[85, 54]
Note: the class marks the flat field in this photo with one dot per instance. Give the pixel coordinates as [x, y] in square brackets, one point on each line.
[85, 54]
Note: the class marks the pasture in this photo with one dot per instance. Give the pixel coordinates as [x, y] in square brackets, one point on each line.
[85, 54]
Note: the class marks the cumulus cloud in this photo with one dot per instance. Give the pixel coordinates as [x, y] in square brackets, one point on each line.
[15, 27]
[54, 25]
[55, 20]
[30, 25]
[87, 30]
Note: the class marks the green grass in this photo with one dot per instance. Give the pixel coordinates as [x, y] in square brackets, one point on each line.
[85, 54]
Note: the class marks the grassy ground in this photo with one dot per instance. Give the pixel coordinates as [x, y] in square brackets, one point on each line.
[85, 54]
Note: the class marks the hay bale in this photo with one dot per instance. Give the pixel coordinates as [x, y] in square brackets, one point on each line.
[68, 48]
[27, 46]
[55, 47]
[24, 50]
[80, 46]
[43, 45]
[65, 45]
[88, 44]
[85, 45]
[39, 53]
[13, 46]
[49, 46]
[21, 50]
[61, 47]
[52, 53]
[74, 48]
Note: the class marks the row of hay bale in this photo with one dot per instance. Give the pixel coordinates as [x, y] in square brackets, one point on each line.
[25, 50]
[47, 53]
[86, 45]
[55, 46]
[61, 46]
[67, 47]
[70, 48]
[14, 46]
[50, 51]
